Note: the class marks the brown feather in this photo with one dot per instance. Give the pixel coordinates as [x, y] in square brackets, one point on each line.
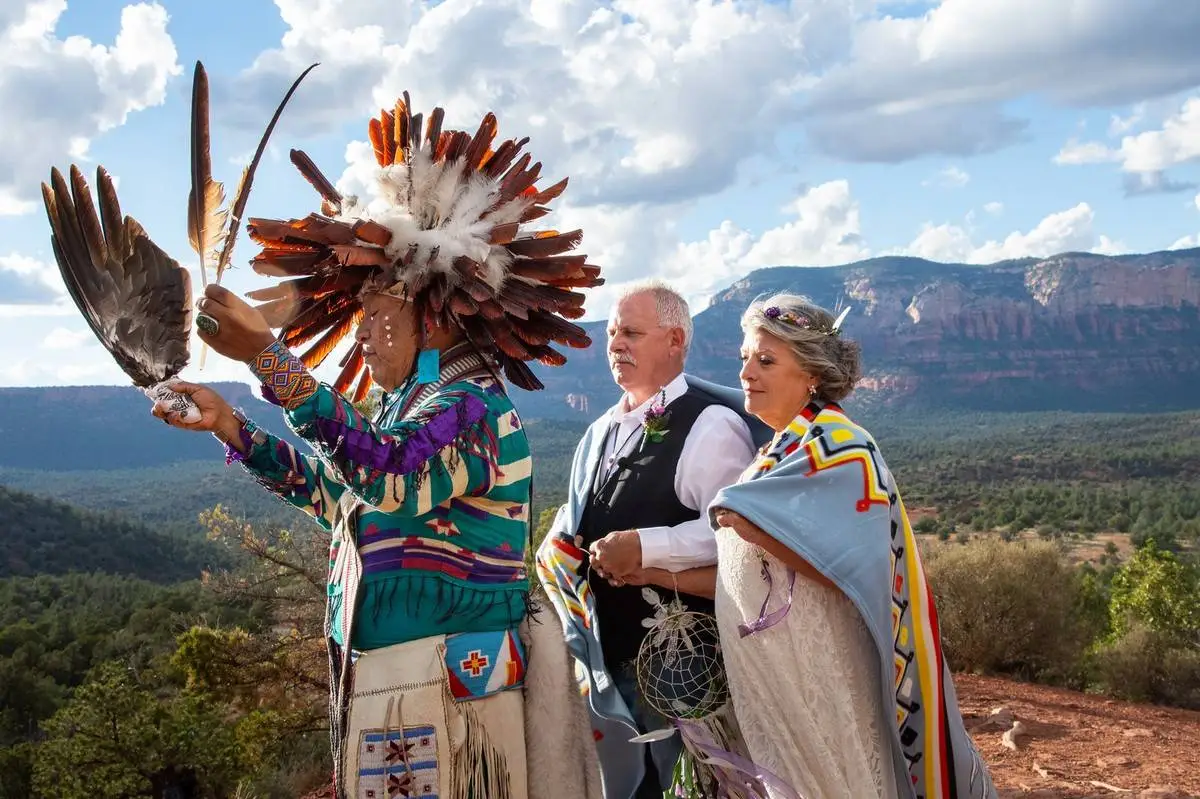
[350, 366]
[316, 178]
[520, 375]
[110, 212]
[364, 386]
[534, 212]
[503, 234]
[357, 255]
[551, 193]
[545, 246]
[462, 304]
[400, 126]
[318, 352]
[481, 142]
[559, 267]
[242, 193]
[287, 263]
[491, 310]
[316, 317]
[433, 135]
[279, 312]
[548, 356]
[503, 157]
[133, 296]
[517, 181]
[415, 129]
[508, 343]
[89, 222]
[375, 130]
[205, 219]
[372, 233]
[351, 353]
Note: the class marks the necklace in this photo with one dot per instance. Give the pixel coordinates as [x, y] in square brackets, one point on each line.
[618, 449]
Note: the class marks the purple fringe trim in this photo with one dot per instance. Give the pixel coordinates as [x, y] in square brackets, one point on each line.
[402, 456]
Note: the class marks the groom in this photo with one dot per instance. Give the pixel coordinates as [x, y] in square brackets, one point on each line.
[634, 534]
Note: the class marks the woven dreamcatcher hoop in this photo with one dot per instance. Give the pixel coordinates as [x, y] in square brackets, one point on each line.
[680, 672]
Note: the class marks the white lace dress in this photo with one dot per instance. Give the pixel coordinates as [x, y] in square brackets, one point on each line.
[806, 690]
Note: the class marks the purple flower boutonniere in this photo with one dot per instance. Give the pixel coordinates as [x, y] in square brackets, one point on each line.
[656, 419]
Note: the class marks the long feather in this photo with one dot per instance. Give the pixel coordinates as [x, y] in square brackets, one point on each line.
[313, 175]
[243, 190]
[205, 219]
[319, 351]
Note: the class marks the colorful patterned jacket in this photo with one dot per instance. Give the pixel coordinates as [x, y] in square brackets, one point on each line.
[435, 493]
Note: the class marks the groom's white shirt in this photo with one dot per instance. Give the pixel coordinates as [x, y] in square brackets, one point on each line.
[717, 450]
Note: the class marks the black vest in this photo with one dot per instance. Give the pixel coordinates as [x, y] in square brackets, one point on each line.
[638, 492]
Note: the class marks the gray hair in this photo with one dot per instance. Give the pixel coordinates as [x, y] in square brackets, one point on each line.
[835, 361]
[673, 309]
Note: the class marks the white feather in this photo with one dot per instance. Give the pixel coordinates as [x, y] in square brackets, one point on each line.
[449, 213]
[837, 323]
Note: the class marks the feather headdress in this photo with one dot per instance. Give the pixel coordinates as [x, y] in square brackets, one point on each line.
[446, 234]
[135, 297]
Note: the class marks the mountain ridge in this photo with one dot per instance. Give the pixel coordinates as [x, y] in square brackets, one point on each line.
[1075, 331]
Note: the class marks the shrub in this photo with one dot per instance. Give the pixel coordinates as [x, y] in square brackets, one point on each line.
[926, 524]
[1009, 608]
[1147, 666]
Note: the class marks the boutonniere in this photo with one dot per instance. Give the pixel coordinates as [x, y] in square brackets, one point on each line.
[656, 419]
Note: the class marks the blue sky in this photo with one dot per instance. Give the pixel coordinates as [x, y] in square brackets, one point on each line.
[703, 138]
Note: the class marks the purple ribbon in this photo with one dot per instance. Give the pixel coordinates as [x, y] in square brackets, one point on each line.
[754, 779]
[765, 619]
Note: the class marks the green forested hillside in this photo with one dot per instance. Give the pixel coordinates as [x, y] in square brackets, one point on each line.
[43, 536]
[224, 677]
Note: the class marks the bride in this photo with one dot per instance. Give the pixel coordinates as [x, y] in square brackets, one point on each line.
[828, 629]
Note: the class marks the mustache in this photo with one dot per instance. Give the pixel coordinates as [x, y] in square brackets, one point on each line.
[622, 358]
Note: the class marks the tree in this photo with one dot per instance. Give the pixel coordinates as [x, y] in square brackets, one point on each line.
[123, 736]
[1162, 592]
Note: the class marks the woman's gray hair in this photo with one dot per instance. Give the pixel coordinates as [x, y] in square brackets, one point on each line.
[807, 329]
[672, 308]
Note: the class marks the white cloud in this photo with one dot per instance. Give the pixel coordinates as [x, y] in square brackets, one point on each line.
[1071, 230]
[825, 230]
[940, 83]
[1186, 243]
[1119, 125]
[27, 281]
[1176, 142]
[995, 208]
[1076, 153]
[637, 101]
[1146, 156]
[951, 177]
[58, 94]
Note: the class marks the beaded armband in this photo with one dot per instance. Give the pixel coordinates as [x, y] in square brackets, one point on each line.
[285, 378]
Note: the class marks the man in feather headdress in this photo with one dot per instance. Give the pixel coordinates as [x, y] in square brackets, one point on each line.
[429, 502]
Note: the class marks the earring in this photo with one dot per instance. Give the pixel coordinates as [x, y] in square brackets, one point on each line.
[812, 391]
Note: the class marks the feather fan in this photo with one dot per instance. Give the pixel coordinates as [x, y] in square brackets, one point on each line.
[135, 297]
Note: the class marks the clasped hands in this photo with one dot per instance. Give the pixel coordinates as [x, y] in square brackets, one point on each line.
[617, 557]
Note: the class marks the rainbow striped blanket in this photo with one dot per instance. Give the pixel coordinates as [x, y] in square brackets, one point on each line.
[823, 490]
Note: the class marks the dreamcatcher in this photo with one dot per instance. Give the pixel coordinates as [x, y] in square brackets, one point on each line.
[681, 676]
